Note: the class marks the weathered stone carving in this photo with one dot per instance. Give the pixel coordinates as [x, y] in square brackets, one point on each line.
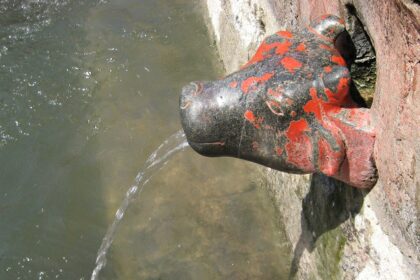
[288, 108]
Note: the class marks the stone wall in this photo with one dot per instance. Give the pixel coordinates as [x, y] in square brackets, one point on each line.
[339, 232]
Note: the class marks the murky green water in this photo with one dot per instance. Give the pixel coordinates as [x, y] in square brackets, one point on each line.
[87, 90]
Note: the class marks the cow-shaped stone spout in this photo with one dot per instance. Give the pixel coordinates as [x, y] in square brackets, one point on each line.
[288, 108]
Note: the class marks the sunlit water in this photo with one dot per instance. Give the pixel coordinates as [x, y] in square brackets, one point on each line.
[88, 90]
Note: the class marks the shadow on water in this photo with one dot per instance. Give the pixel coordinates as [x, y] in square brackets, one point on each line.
[328, 204]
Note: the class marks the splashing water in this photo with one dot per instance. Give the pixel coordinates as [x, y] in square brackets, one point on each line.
[175, 143]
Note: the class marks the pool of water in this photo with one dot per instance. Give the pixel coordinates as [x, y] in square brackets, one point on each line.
[88, 89]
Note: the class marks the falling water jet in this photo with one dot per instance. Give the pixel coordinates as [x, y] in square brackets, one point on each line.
[175, 143]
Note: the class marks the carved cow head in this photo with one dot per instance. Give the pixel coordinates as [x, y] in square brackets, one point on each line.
[288, 108]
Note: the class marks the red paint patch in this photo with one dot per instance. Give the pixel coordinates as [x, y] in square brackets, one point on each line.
[291, 64]
[261, 54]
[296, 128]
[285, 34]
[249, 116]
[233, 84]
[343, 86]
[328, 160]
[327, 69]
[313, 105]
[301, 47]
[283, 48]
[264, 50]
[252, 82]
[338, 97]
[338, 60]
[299, 147]
[325, 47]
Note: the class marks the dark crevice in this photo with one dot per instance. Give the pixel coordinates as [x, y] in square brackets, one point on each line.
[262, 25]
[363, 69]
[328, 205]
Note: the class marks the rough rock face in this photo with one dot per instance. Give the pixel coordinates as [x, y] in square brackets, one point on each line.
[338, 232]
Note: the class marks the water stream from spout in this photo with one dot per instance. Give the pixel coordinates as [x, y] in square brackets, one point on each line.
[175, 143]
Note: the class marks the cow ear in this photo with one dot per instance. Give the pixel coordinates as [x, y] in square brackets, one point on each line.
[332, 78]
[329, 26]
[337, 86]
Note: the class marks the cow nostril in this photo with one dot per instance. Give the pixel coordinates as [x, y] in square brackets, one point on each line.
[192, 89]
[184, 105]
[188, 93]
[198, 88]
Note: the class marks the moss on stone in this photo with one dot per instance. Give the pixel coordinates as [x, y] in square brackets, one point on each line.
[330, 249]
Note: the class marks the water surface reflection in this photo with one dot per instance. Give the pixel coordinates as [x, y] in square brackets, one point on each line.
[88, 90]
